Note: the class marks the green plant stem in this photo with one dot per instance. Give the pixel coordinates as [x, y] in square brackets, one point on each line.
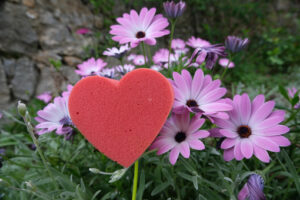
[135, 179]
[149, 55]
[171, 38]
[30, 130]
[144, 52]
[226, 68]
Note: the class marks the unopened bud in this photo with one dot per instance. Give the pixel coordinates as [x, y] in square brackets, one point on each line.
[22, 108]
[28, 184]
[94, 170]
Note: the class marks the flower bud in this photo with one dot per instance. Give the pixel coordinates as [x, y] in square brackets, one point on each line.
[174, 10]
[22, 108]
[94, 170]
[253, 189]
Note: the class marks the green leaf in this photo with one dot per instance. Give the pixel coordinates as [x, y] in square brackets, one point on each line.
[141, 187]
[295, 100]
[284, 93]
[159, 188]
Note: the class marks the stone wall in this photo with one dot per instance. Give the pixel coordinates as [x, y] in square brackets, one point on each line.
[31, 33]
[34, 31]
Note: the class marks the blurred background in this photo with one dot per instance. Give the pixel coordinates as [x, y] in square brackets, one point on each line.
[41, 42]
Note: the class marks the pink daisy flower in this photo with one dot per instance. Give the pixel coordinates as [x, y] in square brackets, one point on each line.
[55, 116]
[1, 115]
[174, 10]
[197, 42]
[124, 69]
[292, 91]
[224, 63]
[156, 67]
[45, 97]
[139, 60]
[208, 54]
[161, 57]
[83, 31]
[253, 189]
[131, 57]
[143, 27]
[178, 45]
[108, 73]
[199, 95]
[252, 129]
[90, 67]
[178, 135]
[115, 52]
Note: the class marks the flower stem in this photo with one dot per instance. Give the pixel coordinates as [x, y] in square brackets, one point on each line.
[171, 38]
[144, 52]
[27, 120]
[135, 180]
[226, 68]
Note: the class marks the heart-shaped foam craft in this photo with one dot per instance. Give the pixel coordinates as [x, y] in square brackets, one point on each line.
[121, 118]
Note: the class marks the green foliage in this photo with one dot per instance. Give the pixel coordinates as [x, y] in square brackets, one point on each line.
[204, 176]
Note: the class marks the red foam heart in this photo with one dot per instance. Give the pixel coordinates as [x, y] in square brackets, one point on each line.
[121, 118]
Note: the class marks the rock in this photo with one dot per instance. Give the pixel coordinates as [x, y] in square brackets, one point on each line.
[9, 65]
[32, 14]
[29, 3]
[4, 90]
[45, 57]
[25, 78]
[69, 74]
[98, 22]
[47, 81]
[17, 35]
[72, 61]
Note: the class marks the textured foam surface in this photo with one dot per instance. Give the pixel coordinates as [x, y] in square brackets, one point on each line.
[121, 119]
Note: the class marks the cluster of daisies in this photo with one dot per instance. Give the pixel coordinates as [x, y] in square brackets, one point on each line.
[245, 127]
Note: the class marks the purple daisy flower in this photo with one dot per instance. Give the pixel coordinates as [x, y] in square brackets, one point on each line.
[145, 27]
[115, 52]
[253, 189]
[139, 60]
[83, 31]
[252, 129]
[178, 135]
[45, 97]
[224, 62]
[161, 57]
[131, 57]
[124, 69]
[55, 116]
[174, 10]
[178, 45]
[197, 42]
[236, 44]
[90, 67]
[209, 54]
[199, 95]
[108, 73]
[291, 92]
[156, 67]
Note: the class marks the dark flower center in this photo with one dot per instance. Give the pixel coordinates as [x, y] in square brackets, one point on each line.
[180, 136]
[140, 34]
[65, 121]
[192, 103]
[244, 131]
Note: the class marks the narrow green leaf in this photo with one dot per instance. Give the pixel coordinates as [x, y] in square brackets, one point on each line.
[159, 188]
[284, 93]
